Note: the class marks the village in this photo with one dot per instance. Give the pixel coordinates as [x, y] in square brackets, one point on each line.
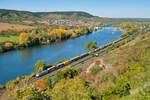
[62, 22]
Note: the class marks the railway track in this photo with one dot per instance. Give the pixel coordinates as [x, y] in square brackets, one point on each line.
[52, 73]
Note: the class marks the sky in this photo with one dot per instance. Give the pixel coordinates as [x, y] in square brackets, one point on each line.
[101, 8]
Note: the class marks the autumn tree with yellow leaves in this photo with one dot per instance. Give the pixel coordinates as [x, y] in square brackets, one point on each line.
[24, 39]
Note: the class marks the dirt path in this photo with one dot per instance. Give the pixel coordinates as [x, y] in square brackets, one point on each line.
[91, 65]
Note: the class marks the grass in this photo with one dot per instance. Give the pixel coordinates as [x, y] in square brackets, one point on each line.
[9, 38]
[129, 69]
[95, 69]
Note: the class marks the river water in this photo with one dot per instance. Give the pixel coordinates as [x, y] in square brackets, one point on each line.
[21, 62]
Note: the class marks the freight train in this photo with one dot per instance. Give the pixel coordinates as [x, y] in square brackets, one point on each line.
[60, 65]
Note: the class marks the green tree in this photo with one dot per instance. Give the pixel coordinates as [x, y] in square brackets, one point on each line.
[91, 45]
[28, 93]
[48, 82]
[40, 65]
[66, 73]
[94, 45]
[72, 89]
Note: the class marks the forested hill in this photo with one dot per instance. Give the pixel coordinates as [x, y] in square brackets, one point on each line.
[26, 15]
[11, 16]
[67, 13]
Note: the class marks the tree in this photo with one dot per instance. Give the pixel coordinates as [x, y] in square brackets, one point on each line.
[28, 93]
[72, 89]
[8, 45]
[48, 82]
[94, 45]
[66, 73]
[50, 64]
[61, 33]
[1, 49]
[40, 65]
[41, 85]
[87, 46]
[91, 45]
[24, 39]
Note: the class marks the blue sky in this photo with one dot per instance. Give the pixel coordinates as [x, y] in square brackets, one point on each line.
[102, 8]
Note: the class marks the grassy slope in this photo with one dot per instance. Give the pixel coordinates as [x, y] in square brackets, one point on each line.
[127, 64]
[14, 39]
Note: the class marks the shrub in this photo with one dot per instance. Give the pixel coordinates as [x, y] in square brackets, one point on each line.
[48, 82]
[95, 69]
[68, 72]
[8, 45]
[2, 87]
[73, 89]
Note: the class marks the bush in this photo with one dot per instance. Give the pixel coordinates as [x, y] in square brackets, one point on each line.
[2, 87]
[95, 69]
[9, 45]
[1, 49]
[68, 72]
[79, 70]
[121, 88]
[48, 82]
[73, 89]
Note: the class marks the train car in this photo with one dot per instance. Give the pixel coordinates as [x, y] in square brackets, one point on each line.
[51, 69]
[60, 65]
[76, 58]
[109, 44]
[42, 73]
[95, 50]
[71, 60]
[66, 62]
[100, 48]
[84, 55]
[104, 47]
[90, 52]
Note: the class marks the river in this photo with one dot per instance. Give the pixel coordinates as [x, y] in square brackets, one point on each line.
[21, 62]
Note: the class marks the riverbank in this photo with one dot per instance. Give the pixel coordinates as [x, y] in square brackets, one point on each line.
[27, 58]
[39, 36]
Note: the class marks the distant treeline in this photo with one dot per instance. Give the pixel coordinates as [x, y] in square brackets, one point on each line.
[40, 36]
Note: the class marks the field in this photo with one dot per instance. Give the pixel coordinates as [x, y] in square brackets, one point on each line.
[9, 38]
[7, 26]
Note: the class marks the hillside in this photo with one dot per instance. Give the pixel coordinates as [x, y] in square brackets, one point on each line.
[26, 15]
[122, 74]
[18, 17]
